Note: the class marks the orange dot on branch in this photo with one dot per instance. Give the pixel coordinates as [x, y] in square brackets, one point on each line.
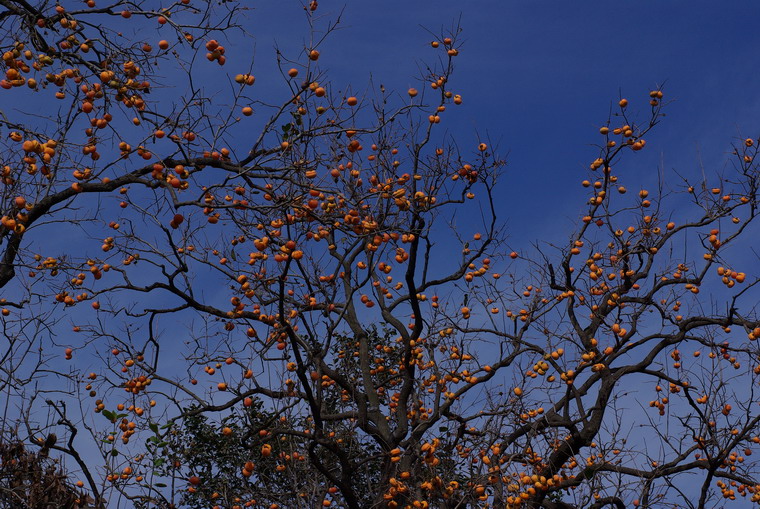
[352, 101]
[623, 103]
[247, 111]
[314, 55]
[293, 73]
[412, 92]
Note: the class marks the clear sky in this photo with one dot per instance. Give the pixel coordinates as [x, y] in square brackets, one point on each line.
[540, 78]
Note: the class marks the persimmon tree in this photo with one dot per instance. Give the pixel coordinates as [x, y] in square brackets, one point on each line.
[33, 479]
[317, 306]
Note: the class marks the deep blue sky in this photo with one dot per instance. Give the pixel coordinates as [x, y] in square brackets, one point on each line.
[540, 77]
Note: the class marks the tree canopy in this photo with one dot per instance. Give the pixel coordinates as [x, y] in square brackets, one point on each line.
[216, 297]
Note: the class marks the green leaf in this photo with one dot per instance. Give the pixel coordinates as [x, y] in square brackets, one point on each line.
[154, 427]
[158, 462]
[109, 415]
[114, 453]
[159, 485]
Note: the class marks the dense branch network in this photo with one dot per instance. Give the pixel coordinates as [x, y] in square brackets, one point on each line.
[325, 313]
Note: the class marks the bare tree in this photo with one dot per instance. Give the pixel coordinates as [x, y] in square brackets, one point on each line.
[322, 311]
